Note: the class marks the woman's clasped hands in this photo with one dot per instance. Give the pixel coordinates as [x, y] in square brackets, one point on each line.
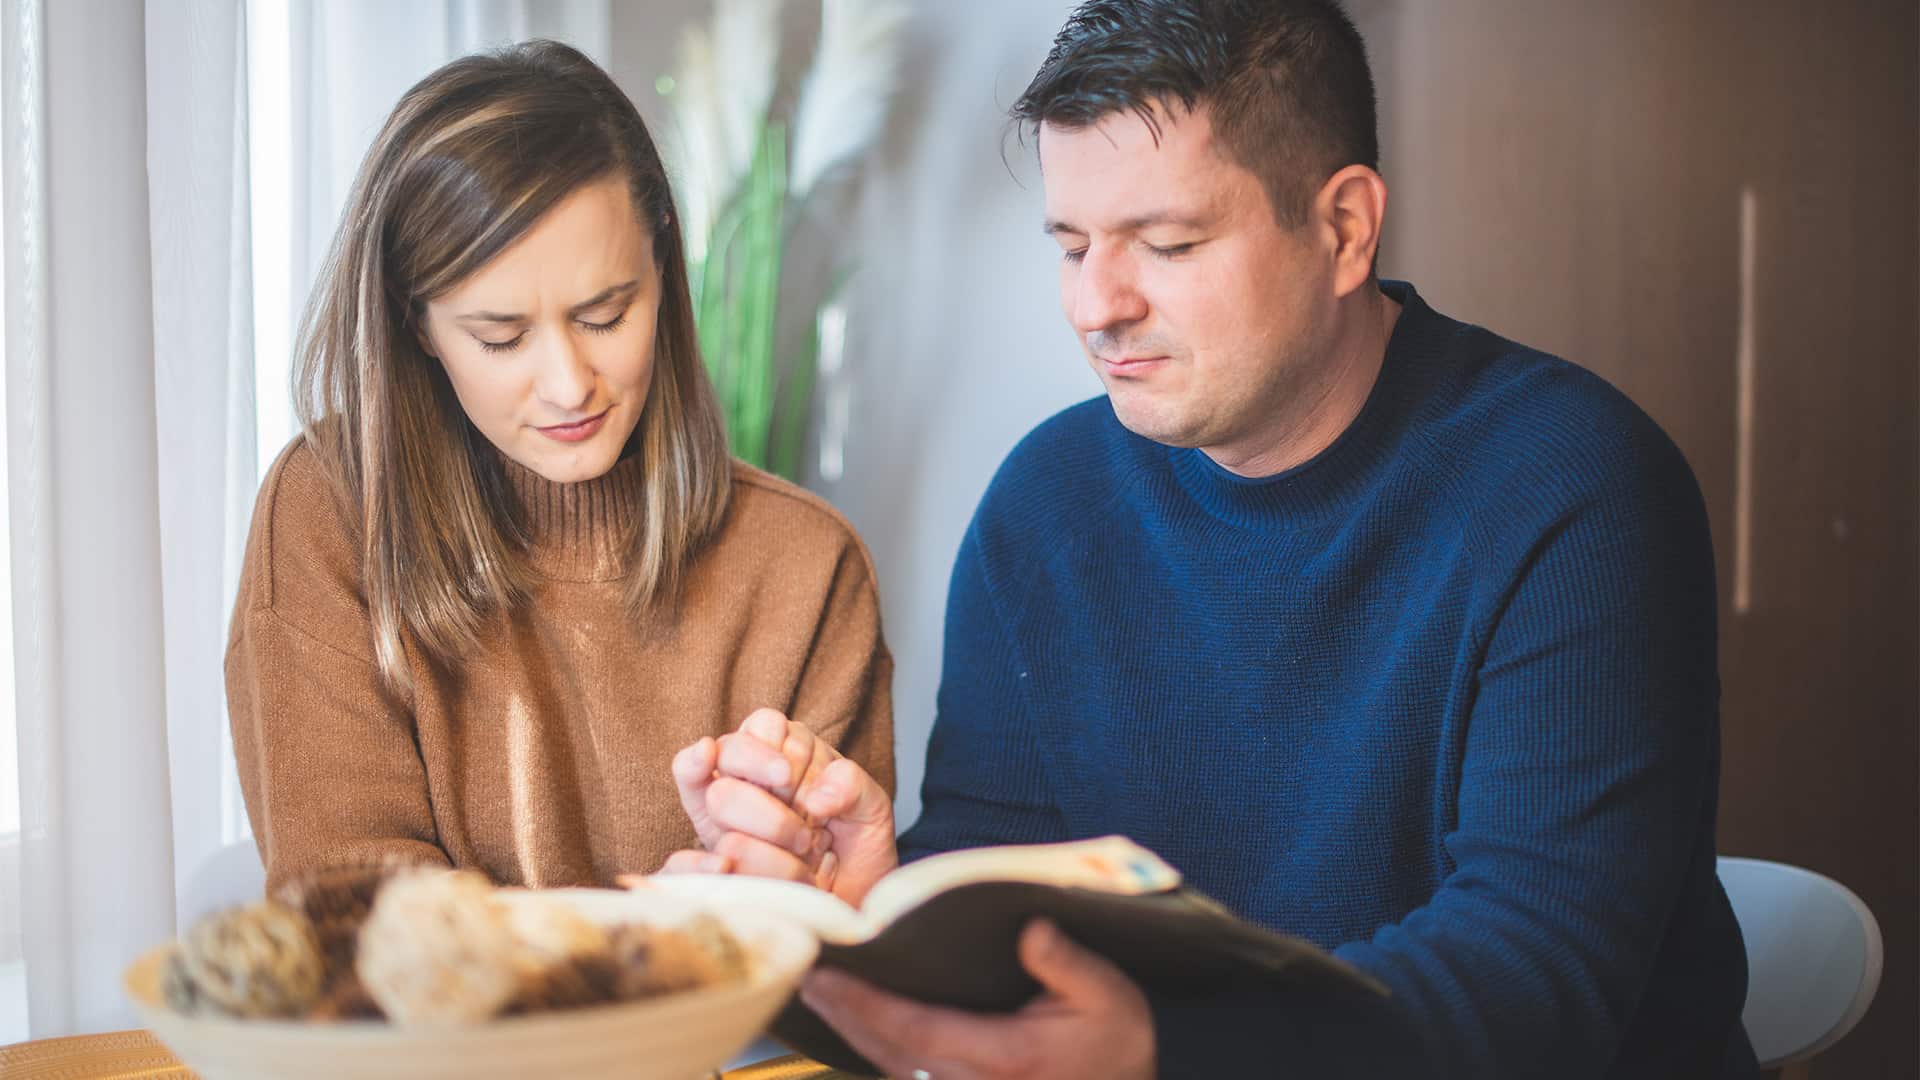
[772, 799]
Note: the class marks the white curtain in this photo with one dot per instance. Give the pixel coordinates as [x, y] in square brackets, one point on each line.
[196, 94]
[145, 239]
[130, 455]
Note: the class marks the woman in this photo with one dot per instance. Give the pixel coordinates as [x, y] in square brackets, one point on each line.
[508, 568]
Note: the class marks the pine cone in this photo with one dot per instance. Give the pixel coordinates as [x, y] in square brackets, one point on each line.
[570, 984]
[176, 986]
[337, 901]
[653, 960]
[346, 998]
[261, 960]
[713, 936]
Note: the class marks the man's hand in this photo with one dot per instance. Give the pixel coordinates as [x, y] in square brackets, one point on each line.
[1089, 1021]
[775, 800]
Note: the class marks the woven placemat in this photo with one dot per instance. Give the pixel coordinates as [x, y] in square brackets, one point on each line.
[136, 1055]
[791, 1067]
[116, 1055]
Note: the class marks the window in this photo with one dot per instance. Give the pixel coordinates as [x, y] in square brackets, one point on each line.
[13, 977]
[270, 123]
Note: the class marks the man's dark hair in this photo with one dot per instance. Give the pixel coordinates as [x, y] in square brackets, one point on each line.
[1286, 82]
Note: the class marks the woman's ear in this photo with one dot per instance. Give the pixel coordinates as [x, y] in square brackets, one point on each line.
[418, 324]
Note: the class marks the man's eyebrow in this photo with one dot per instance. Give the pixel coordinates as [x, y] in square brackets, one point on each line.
[1130, 225]
[590, 303]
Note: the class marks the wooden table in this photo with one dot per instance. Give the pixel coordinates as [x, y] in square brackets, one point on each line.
[136, 1055]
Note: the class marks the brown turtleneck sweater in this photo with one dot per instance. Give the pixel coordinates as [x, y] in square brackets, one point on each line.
[542, 758]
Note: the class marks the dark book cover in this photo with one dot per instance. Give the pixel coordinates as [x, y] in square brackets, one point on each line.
[959, 948]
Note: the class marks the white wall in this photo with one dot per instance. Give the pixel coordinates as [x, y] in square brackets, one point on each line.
[956, 345]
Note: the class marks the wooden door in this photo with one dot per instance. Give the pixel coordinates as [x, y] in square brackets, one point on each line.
[1714, 206]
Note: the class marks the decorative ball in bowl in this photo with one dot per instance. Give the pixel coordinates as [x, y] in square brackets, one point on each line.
[442, 1017]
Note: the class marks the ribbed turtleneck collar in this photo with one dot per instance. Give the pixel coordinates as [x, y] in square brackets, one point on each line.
[1330, 479]
[580, 531]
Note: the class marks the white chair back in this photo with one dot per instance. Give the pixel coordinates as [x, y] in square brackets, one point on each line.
[1813, 957]
[228, 878]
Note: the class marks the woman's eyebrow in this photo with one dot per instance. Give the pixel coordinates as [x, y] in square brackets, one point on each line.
[588, 304]
[605, 295]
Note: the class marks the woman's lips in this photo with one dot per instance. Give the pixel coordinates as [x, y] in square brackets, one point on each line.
[579, 430]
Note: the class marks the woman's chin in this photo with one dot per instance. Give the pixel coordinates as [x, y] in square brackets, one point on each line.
[571, 464]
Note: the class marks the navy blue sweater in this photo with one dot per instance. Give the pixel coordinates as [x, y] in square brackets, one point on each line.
[1442, 699]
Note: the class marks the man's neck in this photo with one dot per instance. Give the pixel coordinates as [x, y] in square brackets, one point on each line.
[1328, 403]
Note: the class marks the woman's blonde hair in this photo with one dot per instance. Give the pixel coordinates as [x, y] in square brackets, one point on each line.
[473, 156]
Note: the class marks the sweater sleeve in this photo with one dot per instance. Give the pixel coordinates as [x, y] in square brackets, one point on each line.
[985, 781]
[846, 688]
[328, 761]
[1587, 775]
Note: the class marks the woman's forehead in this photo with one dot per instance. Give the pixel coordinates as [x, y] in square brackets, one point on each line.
[590, 242]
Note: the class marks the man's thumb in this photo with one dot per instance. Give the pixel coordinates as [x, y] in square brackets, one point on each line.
[1063, 967]
[846, 792]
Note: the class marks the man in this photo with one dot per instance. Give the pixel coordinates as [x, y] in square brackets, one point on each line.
[1385, 631]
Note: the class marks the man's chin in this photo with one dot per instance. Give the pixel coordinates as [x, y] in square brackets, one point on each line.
[1148, 422]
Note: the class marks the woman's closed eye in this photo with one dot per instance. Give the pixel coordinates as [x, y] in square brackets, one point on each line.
[590, 327]
[502, 346]
[607, 327]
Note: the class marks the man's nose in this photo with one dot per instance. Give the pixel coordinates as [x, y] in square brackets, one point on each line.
[1105, 294]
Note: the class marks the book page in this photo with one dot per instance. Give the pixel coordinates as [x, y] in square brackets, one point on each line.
[1112, 864]
[830, 918]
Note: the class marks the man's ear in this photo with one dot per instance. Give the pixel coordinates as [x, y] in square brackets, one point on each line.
[1352, 204]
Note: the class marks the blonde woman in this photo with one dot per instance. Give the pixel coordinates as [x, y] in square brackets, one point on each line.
[508, 567]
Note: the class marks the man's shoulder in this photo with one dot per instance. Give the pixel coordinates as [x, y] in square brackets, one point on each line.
[1529, 423]
[1084, 429]
[1076, 459]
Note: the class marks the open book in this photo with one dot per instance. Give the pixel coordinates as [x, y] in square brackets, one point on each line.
[945, 930]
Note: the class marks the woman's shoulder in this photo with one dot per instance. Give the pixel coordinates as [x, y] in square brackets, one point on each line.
[790, 521]
[296, 482]
[301, 545]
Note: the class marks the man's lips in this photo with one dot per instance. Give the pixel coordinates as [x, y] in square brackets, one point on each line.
[1129, 365]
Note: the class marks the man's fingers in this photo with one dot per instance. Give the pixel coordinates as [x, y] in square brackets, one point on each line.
[1066, 969]
[755, 857]
[901, 1035]
[882, 1027]
[799, 752]
[738, 806]
[858, 816]
[846, 792]
[812, 755]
